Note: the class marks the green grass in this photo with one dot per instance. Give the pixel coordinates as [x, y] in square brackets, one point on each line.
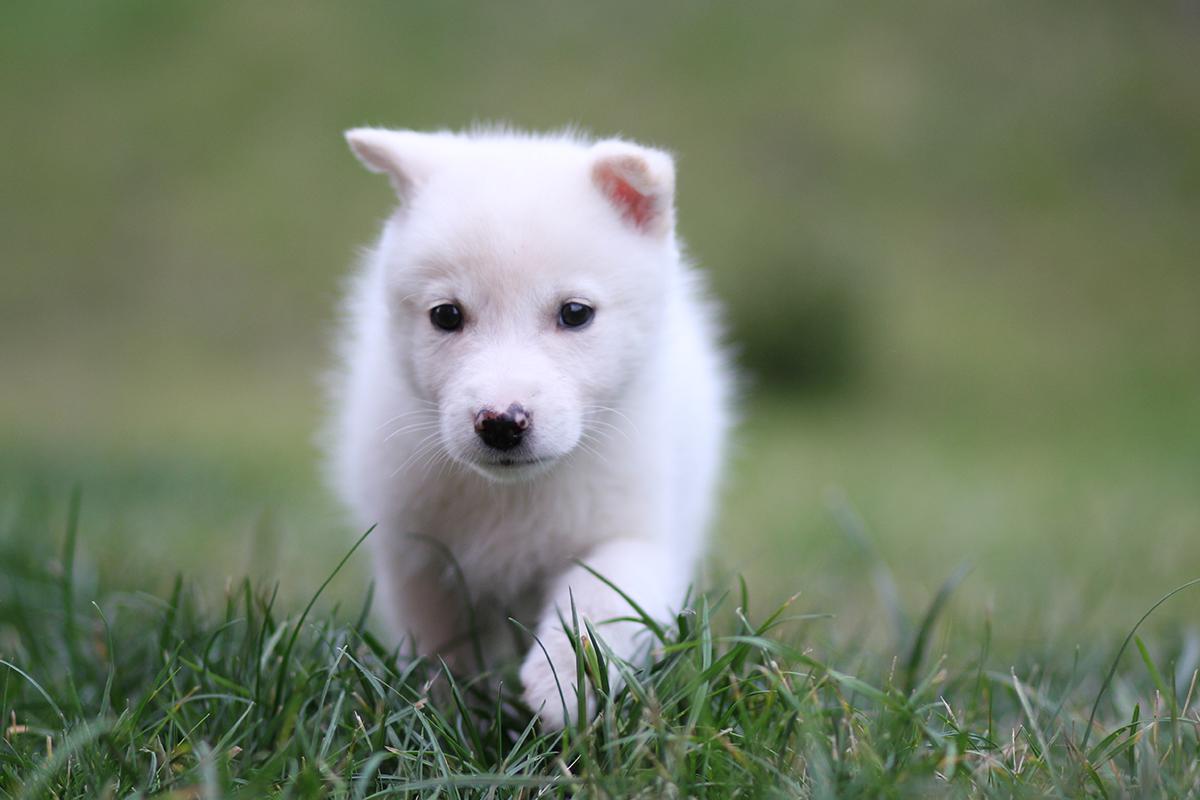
[111, 693]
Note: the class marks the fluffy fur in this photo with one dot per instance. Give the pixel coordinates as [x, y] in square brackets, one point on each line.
[629, 413]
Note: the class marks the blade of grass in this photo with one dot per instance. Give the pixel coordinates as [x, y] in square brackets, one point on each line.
[68, 576]
[287, 652]
[917, 653]
[1112, 670]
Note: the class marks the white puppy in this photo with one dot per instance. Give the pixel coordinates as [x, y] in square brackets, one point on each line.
[530, 382]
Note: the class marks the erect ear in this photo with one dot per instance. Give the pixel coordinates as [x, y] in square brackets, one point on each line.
[406, 157]
[639, 182]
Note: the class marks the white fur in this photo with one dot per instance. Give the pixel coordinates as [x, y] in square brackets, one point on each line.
[629, 413]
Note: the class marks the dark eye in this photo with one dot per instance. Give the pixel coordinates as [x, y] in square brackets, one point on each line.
[447, 316]
[575, 315]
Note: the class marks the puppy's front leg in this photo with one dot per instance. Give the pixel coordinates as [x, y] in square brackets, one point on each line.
[644, 571]
[429, 615]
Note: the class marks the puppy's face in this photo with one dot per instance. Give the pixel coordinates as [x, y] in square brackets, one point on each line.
[527, 281]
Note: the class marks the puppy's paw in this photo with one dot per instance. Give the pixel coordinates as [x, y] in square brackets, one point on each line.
[549, 683]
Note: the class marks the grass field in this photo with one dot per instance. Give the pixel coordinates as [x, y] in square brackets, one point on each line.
[957, 248]
[128, 694]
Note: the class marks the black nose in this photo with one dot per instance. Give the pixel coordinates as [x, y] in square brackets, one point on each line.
[502, 430]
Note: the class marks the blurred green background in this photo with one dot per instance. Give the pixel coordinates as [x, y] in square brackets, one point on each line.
[959, 246]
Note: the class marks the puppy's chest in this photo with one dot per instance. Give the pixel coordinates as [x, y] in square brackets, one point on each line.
[503, 538]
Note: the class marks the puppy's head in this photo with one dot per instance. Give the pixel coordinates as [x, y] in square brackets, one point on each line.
[527, 281]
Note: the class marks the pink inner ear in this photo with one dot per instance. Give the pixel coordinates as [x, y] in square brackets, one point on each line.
[636, 207]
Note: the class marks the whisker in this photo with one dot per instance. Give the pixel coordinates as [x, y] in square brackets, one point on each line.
[588, 448]
[416, 426]
[426, 461]
[617, 412]
[445, 463]
[399, 417]
[610, 428]
[425, 445]
[600, 435]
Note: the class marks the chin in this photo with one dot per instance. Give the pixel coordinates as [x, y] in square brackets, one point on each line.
[514, 469]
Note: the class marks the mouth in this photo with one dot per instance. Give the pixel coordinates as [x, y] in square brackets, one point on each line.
[511, 468]
[510, 463]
